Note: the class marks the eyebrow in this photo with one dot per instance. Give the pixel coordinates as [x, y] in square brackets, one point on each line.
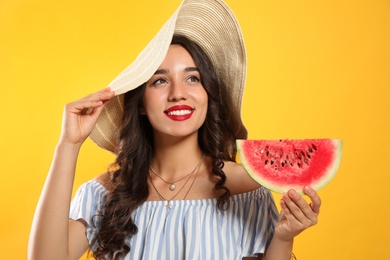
[189, 69]
[166, 71]
[161, 71]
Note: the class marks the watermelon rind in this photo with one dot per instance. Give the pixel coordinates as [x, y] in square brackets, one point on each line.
[280, 187]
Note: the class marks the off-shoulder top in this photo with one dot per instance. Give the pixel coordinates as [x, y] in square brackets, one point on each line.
[190, 229]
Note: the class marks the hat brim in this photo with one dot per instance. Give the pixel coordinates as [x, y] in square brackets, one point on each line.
[214, 27]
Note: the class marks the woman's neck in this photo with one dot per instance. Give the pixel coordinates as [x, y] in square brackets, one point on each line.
[175, 157]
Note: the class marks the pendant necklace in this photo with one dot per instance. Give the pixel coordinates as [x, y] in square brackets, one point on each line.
[169, 205]
[172, 185]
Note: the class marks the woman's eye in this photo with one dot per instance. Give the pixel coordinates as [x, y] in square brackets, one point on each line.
[193, 79]
[159, 81]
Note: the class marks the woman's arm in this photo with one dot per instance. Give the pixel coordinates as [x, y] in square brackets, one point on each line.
[296, 216]
[53, 235]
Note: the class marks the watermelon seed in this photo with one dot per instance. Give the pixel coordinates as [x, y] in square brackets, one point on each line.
[272, 162]
[282, 164]
[306, 161]
[266, 162]
[299, 164]
[297, 154]
[310, 150]
[314, 147]
[308, 155]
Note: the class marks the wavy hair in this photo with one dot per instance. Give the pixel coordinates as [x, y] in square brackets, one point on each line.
[129, 187]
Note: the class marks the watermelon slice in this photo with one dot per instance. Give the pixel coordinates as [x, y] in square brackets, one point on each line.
[280, 165]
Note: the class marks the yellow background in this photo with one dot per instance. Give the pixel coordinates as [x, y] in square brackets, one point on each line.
[316, 69]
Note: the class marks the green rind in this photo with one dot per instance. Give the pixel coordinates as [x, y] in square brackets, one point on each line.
[283, 188]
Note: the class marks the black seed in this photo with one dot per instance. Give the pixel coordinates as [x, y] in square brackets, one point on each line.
[298, 154]
[272, 162]
[314, 147]
[282, 164]
[266, 162]
[310, 150]
[299, 164]
[267, 153]
[308, 155]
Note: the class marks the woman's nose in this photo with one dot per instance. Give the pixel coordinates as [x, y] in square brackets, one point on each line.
[177, 92]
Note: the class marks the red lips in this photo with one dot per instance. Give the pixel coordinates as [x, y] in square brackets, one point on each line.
[179, 112]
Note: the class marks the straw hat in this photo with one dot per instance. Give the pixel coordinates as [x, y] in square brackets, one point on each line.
[213, 26]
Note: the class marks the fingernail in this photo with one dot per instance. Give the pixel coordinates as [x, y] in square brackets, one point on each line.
[308, 189]
[292, 193]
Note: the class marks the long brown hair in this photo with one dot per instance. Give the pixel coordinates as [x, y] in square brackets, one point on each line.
[129, 179]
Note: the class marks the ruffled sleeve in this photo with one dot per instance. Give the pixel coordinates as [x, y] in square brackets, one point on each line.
[261, 216]
[86, 206]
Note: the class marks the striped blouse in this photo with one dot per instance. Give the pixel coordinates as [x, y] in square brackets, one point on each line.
[190, 229]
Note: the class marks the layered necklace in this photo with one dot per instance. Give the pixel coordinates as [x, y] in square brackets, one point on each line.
[172, 185]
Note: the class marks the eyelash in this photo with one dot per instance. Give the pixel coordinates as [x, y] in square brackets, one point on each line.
[160, 81]
[197, 79]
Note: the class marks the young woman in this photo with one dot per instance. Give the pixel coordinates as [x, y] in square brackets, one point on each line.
[175, 190]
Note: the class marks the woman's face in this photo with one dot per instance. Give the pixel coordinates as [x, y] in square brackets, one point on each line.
[175, 101]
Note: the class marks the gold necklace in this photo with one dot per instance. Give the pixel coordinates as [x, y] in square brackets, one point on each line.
[172, 185]
[169, 205]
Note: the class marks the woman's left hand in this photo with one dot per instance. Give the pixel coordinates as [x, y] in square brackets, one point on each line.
[297, 215]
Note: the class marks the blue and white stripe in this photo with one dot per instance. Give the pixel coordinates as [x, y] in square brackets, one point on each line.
[191, 229]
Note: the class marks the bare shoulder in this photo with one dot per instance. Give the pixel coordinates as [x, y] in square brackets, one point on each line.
[238, 180]
[104, 179]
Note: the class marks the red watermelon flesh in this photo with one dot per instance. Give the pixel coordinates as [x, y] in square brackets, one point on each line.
[280, 165]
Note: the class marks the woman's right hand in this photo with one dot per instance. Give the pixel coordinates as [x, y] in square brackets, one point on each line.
[81, 115]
